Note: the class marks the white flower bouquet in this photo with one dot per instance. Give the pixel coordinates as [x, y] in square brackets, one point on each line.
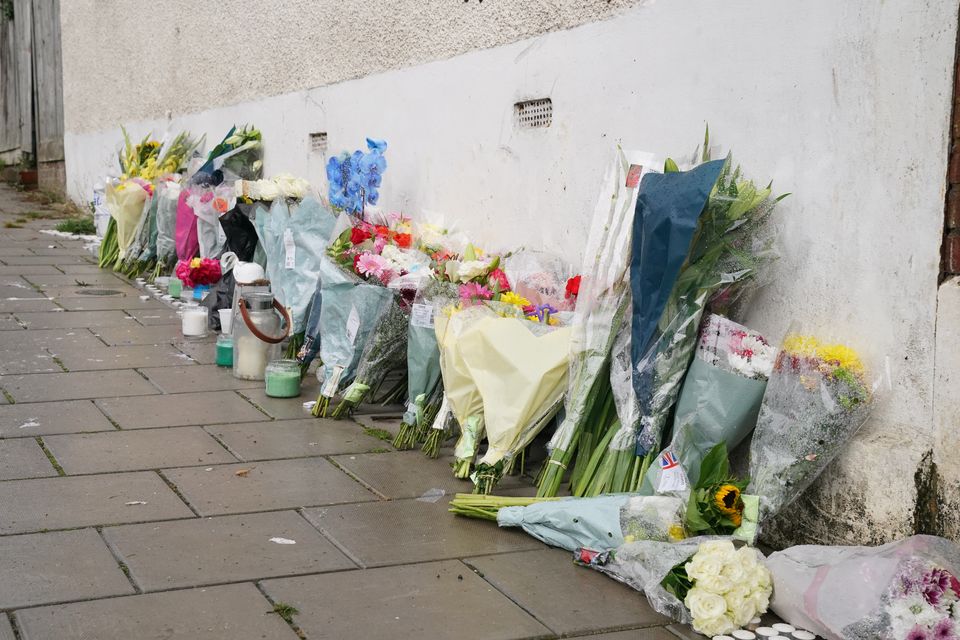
[706, 582]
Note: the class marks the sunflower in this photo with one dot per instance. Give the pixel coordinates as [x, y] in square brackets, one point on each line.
[727, 501]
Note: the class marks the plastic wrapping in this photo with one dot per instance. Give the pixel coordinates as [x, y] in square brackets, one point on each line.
[901, 590]
[186, 229]
[168, 193]
[208, 203]
[601, 307]
[601, 523]
[520, 369]
[240, 233]
[819, 395]
[719, 402]
[538, 276]
[127, 203]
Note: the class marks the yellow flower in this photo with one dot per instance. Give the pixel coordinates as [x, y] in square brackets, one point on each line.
[512, 298]
[727, 501]
[805, 346]
[841, 356]
[195, 263]
[676, 532]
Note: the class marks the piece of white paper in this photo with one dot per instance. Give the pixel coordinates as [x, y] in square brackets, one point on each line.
[353, 324]
[283, 541]
[422, 316]
[290, 249]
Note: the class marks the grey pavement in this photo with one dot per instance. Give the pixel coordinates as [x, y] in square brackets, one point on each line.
[146, 493]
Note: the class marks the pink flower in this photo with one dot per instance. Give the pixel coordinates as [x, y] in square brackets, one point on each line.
[473, 292]
[918, 633]
[498, 279]
[944, 630]
[370, 264]
[379, 244]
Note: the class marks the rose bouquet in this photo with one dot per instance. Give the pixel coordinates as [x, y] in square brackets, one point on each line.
[905, 590]
[818, 396]
[719, 402]
[199, 271]
[602, 299]
[706, 582]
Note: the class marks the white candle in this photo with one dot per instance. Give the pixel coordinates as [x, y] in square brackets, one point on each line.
[250, 358]
[195, 321]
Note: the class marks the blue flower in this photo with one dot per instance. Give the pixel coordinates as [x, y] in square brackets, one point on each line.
[350, 175]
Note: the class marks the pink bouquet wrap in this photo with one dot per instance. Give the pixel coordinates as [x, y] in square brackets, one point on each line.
[187, 242]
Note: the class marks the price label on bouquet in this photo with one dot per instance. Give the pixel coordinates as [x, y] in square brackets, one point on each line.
[353, 324]
[422, 316]
[290, 248]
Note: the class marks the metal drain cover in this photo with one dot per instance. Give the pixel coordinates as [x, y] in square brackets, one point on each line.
[99, 292]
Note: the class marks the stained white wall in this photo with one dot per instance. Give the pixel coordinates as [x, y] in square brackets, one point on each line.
[844, 104]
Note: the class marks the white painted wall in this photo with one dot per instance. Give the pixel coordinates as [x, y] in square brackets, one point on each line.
[844, 104]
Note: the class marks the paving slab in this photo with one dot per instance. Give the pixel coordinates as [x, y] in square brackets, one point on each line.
[61, 249]
[40, 419]
[579, 599]
[54, 260]
[41, 339]
[155, 316]
[6, 631]
[230, 612]
[107, 303]
[279, 484]
[46, 387]
[21, 304]
[202, 351]
[286, 408]
[127, 357]
[135, 333]
[206, 377]
[190, 553]
[294, 438]
[83, 501]
[178, 410]
[651, 633]
[35, 269]
[58, 567]
[74, 319]
[115, 291]
[9, 323]
[408, 531]
[30, 360]
[408, 601]
[408, 474]
[14, 250]
[23, 458]
[103, 279]
[136, 450]
[71, 269]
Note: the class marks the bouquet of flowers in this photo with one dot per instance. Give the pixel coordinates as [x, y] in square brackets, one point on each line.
[601, 301]
[355, 178]
[719, 402]
[603, 523]
[127, 202]
[706, 582]
[904, 590]
[280, 187]
[240, 153]
[167, 195]
[818, 396]
[208, 203]
[199, 271]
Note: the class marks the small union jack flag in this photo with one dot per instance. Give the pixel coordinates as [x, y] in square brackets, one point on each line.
[668, 461]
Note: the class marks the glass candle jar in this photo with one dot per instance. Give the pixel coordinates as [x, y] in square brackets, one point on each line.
[224, 351]
[194, 321]
[283, 379]
[175, 287]
[251, 353]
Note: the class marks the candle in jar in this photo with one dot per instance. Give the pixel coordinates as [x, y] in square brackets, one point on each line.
[249, 358]
[224, 351]
[283, 379]
[194, 322]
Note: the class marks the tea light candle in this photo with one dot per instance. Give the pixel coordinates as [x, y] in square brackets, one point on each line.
[283, 379]
[194, 322]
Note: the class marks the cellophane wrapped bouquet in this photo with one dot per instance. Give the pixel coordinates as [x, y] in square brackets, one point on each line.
[719, 402]
[819, 395]
[703, 581]
[904, 590]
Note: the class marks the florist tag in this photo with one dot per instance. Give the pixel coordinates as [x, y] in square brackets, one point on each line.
[422, 316]
[330, 388]
[353, 324]
[290, 248]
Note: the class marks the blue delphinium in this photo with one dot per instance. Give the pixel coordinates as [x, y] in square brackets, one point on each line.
[356, 177]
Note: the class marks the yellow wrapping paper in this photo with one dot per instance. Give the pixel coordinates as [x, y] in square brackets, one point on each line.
[453, 328]
[518, 373]
[125, 202]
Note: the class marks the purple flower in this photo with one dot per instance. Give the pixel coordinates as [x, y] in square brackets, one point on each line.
[918, 633]
[933, 584]
[944, 630]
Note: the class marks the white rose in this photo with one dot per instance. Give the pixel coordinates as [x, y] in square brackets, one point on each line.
[735, 572]
[703, 565]
[760, 600]
[263, 190]
[748, 558]
[760, 577]
[716, 546]
[715, 584]
[714, 626]
[704, 605]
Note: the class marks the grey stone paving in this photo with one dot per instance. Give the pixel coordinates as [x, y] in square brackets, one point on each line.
[219, 502]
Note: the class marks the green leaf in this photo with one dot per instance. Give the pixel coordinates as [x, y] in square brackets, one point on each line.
[715, 466]
[670, 166]
[706, 144]
[694, 519]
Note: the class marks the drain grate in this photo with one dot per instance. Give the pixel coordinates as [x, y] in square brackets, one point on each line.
[99, 292]
[533, 114]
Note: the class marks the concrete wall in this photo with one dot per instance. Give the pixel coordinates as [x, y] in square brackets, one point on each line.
[844, 104]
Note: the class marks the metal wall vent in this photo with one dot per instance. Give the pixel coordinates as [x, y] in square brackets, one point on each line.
[533, 114]
[318, 142]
